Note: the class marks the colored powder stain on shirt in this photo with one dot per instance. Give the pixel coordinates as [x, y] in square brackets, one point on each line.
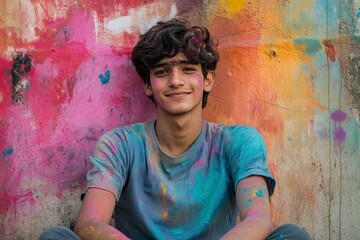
[190, 190]
[165, 214]
[198, 163]
[281, 235]
[163, 189]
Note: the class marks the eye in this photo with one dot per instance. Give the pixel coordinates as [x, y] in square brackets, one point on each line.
[189, 69]
[160, 72]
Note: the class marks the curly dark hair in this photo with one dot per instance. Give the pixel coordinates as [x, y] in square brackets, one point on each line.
[166, 39]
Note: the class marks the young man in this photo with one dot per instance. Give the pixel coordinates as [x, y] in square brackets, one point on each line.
[178, 177]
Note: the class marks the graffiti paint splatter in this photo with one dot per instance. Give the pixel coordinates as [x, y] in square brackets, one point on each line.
[7, 152]
[105, 78]
[22, 65]
[233, 6]
[337, 117]
[330, 50]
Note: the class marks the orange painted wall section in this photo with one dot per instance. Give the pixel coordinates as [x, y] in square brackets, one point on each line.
[288, 68]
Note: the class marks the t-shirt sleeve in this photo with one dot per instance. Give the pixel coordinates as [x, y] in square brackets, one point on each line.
[109, 164]
[247, 155]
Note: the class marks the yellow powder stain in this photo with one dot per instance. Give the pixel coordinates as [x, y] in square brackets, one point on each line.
[253, 194]
[233, 6]
[283, 68]
[165, 214]
[163, 189]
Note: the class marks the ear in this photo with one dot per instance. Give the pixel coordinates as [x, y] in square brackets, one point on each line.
[209, 81]
[148, 90]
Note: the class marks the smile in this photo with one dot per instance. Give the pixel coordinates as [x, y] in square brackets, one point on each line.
[177, 94]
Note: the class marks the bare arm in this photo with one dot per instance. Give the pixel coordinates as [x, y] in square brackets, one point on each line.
[254, 210]
[95, 215]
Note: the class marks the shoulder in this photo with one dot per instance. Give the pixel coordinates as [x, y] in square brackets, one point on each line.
[234, 131]
[126, 133]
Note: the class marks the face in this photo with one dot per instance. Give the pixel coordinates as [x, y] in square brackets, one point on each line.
[177, 85]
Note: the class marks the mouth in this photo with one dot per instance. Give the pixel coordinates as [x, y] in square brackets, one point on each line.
[177, 94]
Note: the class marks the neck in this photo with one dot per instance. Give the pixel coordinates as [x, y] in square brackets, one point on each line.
[177, 133]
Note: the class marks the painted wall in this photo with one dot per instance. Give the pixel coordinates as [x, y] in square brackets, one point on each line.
[289, 68]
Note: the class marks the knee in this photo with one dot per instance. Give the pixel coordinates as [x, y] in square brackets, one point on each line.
[55, 233]
[294, 231]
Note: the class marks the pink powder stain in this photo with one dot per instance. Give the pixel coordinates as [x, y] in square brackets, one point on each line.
[9, 201]
[65, 109]
[198, 164]
[58, 55]
[252, 212]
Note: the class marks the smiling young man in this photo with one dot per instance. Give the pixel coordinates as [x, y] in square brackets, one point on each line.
[178, 177]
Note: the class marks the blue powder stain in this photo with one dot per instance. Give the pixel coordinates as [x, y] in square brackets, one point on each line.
[7, 152]
[250, 200]
[260, 193]
[105, 78]
[281, 235]
[111, 110]
[312, 46]
[102, 130]
[358, 14]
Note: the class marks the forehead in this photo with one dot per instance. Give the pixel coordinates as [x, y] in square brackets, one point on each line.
[179, 58]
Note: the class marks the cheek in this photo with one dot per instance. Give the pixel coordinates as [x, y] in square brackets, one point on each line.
[199, 81]
[154, 82]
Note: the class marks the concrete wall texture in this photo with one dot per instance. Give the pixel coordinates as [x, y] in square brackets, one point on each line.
[289, 68]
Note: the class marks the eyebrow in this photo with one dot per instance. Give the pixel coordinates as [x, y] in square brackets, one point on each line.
[174, 63]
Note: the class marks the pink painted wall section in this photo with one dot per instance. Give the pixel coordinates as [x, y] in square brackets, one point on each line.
[288, 68]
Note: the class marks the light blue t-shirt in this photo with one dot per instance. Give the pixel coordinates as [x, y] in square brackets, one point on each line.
[191, 196]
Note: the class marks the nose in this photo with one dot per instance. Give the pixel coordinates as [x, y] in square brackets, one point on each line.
[176, 78]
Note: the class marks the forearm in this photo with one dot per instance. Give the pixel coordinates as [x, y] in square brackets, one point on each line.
[95, 230]
[253, 228]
